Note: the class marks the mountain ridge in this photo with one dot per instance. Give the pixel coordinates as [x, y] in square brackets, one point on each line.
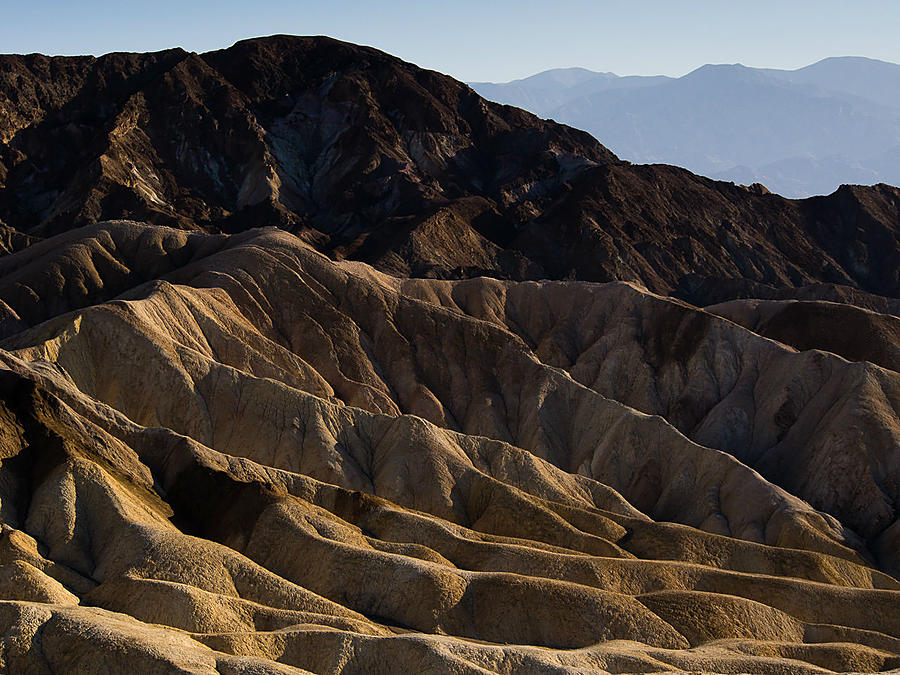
[366, 168]
[765, 103]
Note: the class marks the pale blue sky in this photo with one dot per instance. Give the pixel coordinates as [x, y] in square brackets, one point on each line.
[481, 40]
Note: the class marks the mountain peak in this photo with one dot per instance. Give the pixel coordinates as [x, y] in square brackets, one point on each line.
[720, 73]
[555, 77]
[861, 77]
[855, 61]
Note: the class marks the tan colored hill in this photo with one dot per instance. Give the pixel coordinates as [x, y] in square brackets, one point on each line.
[228, 453]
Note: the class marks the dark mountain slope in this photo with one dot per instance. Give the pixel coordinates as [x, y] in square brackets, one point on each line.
[372, 158]
[673, 230]
[283, 130]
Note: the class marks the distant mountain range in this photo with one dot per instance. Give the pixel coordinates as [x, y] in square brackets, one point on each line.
[799, 132]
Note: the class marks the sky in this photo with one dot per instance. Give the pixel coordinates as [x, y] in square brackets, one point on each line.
[481, 40]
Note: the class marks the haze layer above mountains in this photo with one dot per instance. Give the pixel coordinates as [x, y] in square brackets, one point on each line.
[799, 132]
[315, 361]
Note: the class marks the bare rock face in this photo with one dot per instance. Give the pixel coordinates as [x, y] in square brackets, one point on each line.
[265, 461]
[314, 361]
[377, 160]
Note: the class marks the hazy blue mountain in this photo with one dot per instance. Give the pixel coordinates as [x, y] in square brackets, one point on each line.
[875, 80]
[798, 132]
[546, 91]
[805, 175]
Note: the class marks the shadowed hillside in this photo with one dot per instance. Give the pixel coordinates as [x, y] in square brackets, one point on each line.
[374, 159]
